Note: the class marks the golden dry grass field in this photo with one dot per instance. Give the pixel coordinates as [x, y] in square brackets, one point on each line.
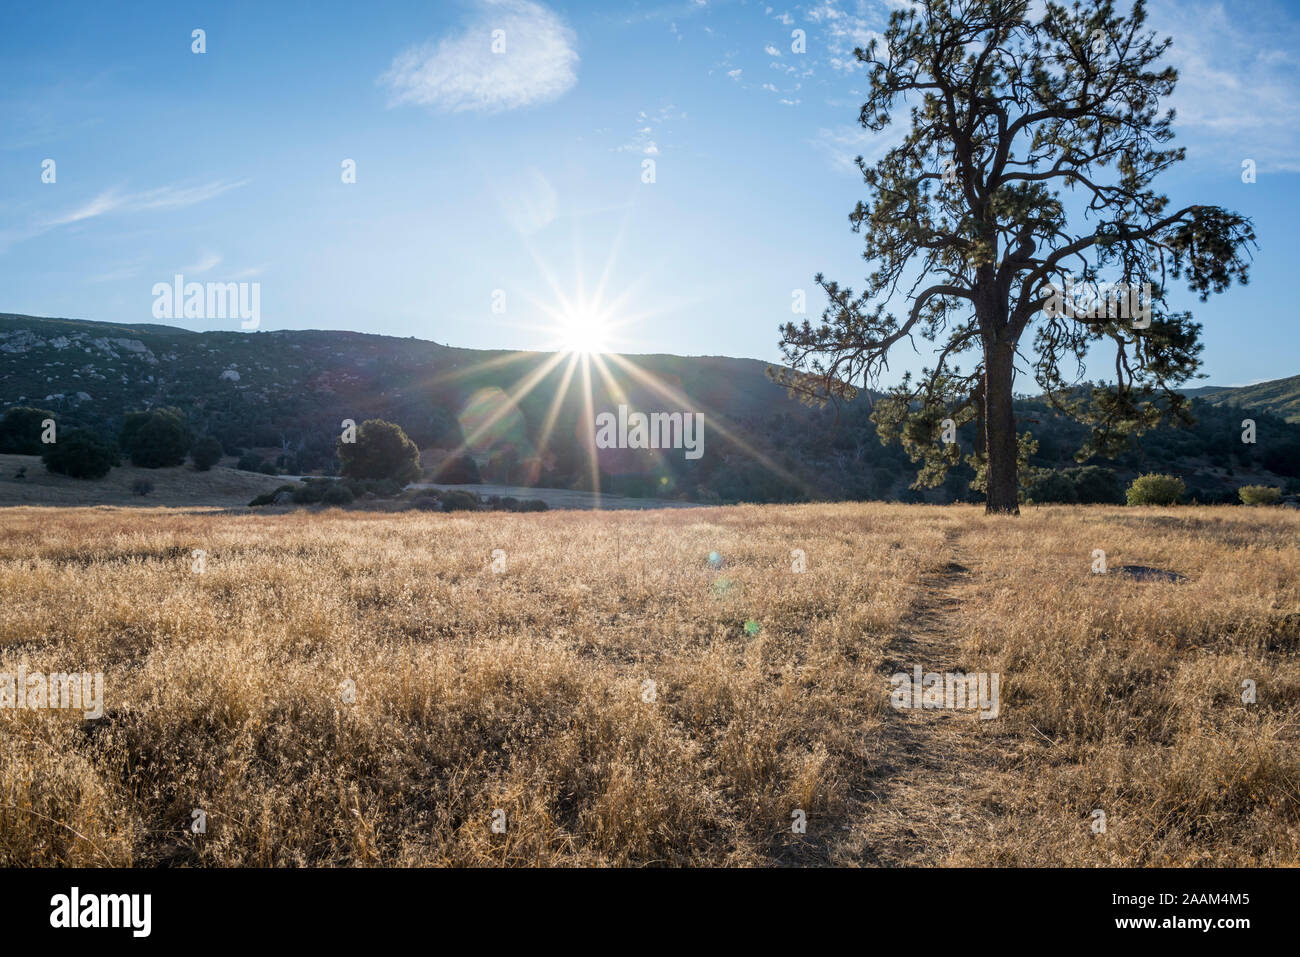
[525, 689]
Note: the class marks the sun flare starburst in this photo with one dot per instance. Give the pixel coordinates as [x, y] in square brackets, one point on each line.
[583, 330]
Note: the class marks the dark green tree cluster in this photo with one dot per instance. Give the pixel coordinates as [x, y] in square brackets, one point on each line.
[21, 428]
[80, 454]
[1085, 485]
[381, 451]
[206, 452]
[155, 439]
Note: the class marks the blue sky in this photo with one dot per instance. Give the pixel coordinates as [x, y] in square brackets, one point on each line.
[522, 171]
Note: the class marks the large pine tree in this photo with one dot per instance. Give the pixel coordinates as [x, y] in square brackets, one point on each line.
[965, 218]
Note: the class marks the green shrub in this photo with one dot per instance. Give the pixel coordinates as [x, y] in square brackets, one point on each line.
[1095, 485]
[206, 452]
[380, 488]
[1153, 489]
[21, 429]
[1051, 488]
[156, 439]
[381, 451]
[80, 454]
[459, 470]
[458, 500]
[533, 505]
[1259, 494]
[141, 487]
[268, 468]
[425, 499]
[337, 494]
[268, 498]
[309, 493]
[250, 462]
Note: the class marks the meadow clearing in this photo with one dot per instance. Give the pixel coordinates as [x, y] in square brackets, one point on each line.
[652, 688]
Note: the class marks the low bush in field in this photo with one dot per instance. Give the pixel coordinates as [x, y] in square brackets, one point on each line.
[1155, 489]
[338, 494]
[268, 498]
[1259, 494]
[309, 493]
[458, 500]
[80, 454]
[508, 503]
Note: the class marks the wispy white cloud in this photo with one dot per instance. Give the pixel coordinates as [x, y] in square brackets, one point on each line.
[118, 274]
[206, 261]
[844, 31]
[103, 203]
[1238, 92]
[165, 197]
[843, 144]
[534, 62]
[117, 200]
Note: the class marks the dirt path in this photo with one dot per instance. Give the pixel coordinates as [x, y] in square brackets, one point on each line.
[939, 767]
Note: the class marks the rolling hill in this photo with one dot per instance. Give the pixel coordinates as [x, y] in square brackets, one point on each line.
[524, 416]
[1280, 396]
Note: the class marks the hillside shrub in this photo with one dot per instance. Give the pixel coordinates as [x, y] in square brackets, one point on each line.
[206, 452]
[21, 428]
[156, 439]
[80, 454]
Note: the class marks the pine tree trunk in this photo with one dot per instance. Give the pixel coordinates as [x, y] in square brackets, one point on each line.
[1000, 431]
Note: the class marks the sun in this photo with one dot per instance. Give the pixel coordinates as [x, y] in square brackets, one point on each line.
[583, 330]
